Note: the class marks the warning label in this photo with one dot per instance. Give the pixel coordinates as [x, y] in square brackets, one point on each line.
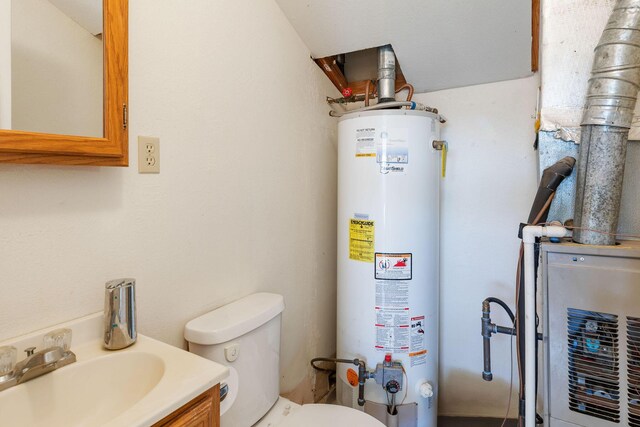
[365, 142]
[418, 357]
[393, 325]
[361, 240]
[392, 295]
[392, 317]
[393, 266]
[418, 352]
[392, 339]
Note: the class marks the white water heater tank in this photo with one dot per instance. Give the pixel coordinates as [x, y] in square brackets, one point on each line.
[388, 226]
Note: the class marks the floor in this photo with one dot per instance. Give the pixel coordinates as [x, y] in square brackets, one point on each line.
[473, 422]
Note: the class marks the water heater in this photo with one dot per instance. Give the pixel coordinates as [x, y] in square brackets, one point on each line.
[388, 226]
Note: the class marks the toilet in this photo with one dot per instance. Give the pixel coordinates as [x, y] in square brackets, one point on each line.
[245, 336]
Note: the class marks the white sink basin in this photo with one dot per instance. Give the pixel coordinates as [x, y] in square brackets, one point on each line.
[136, 386]
[90, 393]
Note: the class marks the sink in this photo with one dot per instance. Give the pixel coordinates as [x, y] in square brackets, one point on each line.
[87, 393]
[137, 386]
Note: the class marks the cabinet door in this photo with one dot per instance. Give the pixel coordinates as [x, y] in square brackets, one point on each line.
[203, 411]
[200, 415]
[109, 149]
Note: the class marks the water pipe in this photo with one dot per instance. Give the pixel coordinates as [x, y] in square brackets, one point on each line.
[529, 235]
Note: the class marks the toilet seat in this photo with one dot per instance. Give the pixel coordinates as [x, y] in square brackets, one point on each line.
[314, 415]
[285, 413]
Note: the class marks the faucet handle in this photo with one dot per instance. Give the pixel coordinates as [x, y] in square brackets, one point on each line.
[8, 355]
[29, 351]
[58, 338]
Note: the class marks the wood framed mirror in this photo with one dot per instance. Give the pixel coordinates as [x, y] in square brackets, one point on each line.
[110, 149]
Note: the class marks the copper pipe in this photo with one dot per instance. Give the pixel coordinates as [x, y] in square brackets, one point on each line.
[367, 89]
[406, 86]
[331, 69]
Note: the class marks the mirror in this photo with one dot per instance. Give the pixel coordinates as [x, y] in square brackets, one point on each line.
[56, 67]
[88, 119]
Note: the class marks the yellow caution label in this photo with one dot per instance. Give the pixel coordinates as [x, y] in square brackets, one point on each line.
[361, 240]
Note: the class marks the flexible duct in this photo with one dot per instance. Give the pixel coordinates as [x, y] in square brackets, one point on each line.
[611, 99]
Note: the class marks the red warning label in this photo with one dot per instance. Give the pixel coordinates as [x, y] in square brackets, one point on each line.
[393, 266]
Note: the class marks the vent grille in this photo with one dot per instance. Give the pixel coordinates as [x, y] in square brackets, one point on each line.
[633, 369]
[594, 384]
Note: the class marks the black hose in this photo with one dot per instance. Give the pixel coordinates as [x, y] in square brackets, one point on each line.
[549, 182]
[332, 360]
[362, 372]
[503, 305]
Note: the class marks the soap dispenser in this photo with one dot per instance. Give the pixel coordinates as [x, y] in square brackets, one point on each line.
[120, 314]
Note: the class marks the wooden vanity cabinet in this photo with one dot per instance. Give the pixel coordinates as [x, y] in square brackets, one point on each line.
[203, 411]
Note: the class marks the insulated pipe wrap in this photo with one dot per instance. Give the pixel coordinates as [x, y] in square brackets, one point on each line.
[611, 100]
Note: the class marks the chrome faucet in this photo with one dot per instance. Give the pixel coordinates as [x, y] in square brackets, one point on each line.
[120, 314]
[36, 364]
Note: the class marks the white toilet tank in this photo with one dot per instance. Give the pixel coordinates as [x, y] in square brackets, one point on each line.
[244, 335]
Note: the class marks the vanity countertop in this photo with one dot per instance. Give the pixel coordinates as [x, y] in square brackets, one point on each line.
[136, 386]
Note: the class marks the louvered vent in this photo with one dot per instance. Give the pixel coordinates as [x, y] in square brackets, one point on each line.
[594, 383]
[633, 366]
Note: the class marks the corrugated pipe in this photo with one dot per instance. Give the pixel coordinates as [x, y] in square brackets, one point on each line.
[611, 99]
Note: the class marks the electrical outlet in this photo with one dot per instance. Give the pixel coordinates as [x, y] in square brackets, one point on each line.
[148, 154]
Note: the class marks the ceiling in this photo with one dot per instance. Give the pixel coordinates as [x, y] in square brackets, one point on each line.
[440, 44]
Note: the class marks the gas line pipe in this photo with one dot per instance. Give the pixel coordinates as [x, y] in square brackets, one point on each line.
[529, 235]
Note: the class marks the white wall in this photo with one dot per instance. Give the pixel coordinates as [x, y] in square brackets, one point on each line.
[488, 191]
[5, 64]
[54, 58]
[245, 201]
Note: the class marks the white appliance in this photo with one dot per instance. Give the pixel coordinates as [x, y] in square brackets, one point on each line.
[388, 227]
[592, 334]
[245, 336]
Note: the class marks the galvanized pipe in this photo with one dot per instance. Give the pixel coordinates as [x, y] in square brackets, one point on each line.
[611, 99]
[386, 74]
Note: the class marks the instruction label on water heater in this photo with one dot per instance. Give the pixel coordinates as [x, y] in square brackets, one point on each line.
[418, 354]
[393, 325]
[366, 142]
[393, 266]
[361, 240]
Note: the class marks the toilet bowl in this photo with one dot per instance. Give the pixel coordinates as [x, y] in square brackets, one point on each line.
[245, 336]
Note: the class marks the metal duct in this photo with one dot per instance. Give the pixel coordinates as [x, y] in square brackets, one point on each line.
[611, 99]
[386, 74]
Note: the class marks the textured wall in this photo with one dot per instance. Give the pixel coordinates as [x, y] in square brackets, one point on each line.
[245, 202]
[5, 64]
[488, 191]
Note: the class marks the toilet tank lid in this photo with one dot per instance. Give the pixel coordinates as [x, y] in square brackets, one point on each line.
[234, 320]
